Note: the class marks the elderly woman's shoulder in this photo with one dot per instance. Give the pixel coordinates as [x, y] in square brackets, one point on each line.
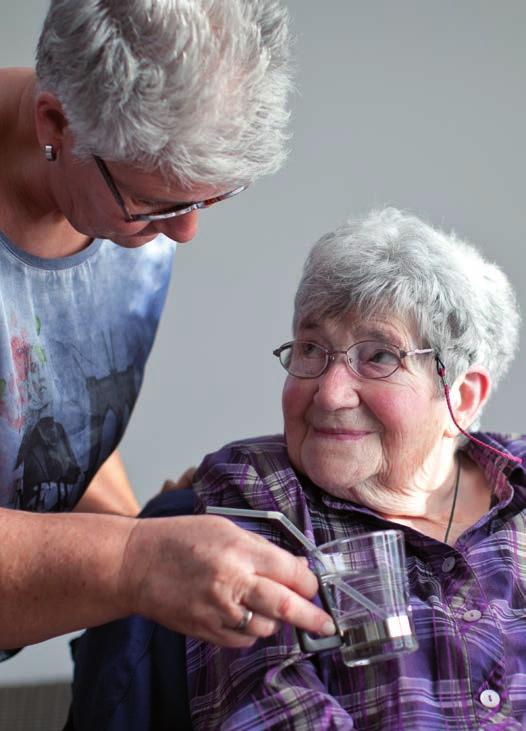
[269, 443]
[244, 459]
[241, 473]
[514, 443]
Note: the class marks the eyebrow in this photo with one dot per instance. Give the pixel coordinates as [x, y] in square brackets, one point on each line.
[380, 333]
[165, 203]
[363, 332]
[159, 201]
[123, 186]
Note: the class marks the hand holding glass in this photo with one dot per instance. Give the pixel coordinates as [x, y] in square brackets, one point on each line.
[363, 586]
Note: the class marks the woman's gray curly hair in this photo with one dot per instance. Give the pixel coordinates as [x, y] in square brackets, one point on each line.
[393, 263]
[193, 88]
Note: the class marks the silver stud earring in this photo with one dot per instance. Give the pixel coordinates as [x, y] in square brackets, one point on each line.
[49, 152]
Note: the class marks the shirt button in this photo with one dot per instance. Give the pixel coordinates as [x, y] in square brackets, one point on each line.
[490, 698]
[472, 615]
[448, 564]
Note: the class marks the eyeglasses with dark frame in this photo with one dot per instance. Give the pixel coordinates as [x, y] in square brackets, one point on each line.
[369, 359]
[179, 210]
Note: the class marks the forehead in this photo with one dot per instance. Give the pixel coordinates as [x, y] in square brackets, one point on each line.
[352, 327]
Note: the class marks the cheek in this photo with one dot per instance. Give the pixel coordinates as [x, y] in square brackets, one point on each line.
[411, 426]
[397, 411]
[295, 401]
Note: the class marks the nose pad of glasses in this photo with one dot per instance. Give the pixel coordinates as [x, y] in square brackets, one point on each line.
[346, 358]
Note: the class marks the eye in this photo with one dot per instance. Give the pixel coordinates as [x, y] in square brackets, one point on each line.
[376, 360]
[383, 356]
[304, 359]
[143, 203]
[308, 350]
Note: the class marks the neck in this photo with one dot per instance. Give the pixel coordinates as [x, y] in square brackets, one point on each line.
[29, 213]
[444, 513]
[412, 492]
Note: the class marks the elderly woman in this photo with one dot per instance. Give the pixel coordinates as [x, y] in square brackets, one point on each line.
[399, 333]
[116, 140]
[389, 311]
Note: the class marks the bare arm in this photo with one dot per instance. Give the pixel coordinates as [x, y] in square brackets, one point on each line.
[109, 491]
[60, 573]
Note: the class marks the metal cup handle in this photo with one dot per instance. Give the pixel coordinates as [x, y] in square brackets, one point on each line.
[308, 643]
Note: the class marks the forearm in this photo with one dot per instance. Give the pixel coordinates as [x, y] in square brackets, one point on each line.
[191, 573]
[110, 490]
[59, 573]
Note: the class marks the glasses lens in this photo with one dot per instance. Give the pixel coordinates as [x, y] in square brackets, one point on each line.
[303, 359]
[183, 209]
[372, 359]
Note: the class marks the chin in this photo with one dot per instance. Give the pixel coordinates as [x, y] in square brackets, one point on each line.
[336, 469]
[335, 482]
[132, 242]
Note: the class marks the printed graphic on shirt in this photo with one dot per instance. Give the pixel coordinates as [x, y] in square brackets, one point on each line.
[52, 465]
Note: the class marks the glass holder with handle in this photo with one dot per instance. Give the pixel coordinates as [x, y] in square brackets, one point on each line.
[308, 642]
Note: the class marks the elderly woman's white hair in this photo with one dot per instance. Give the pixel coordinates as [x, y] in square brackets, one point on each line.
[193, 88]
[393, 263]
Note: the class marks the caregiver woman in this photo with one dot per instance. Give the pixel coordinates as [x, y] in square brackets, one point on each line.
[139, 113]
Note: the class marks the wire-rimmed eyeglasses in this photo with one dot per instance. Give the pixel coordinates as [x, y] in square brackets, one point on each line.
[367, 358]
[179, 210]
[370, 359]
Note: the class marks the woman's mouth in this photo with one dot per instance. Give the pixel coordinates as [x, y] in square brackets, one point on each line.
[340, 434]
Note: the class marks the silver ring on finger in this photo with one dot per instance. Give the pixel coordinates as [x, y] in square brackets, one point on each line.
[245, 619]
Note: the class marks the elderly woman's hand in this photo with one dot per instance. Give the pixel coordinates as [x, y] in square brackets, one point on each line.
[183, 481]
[199, 574]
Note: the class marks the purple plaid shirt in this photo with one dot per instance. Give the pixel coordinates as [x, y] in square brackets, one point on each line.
[469, 608]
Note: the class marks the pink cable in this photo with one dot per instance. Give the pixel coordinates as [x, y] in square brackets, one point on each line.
[442, 373]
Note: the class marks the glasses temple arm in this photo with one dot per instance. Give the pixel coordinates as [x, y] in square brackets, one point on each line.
[418, 351]
[112, 186]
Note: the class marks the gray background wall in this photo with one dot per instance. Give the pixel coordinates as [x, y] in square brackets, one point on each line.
[414, 103]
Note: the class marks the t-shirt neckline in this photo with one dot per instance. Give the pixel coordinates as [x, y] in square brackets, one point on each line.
[40, 262]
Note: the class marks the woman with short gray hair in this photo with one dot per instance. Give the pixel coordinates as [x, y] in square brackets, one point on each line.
[400, 330]
[140, 113]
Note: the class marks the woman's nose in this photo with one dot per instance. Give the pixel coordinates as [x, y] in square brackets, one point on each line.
[338, 387]
[179, 228]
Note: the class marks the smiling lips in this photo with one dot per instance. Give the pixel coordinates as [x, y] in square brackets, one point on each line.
[339, 433]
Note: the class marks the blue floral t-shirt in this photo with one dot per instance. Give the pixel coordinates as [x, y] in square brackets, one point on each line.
[74, 337]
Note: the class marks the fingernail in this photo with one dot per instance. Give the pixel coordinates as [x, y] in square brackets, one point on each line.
[303, 560]
[329, 628]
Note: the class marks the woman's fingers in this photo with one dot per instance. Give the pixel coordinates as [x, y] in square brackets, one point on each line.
[272, 600]
[254, 625]
[283, 567]
[185, 480]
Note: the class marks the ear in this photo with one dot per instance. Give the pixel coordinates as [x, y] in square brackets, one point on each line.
[468, 395]
[50, 121]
